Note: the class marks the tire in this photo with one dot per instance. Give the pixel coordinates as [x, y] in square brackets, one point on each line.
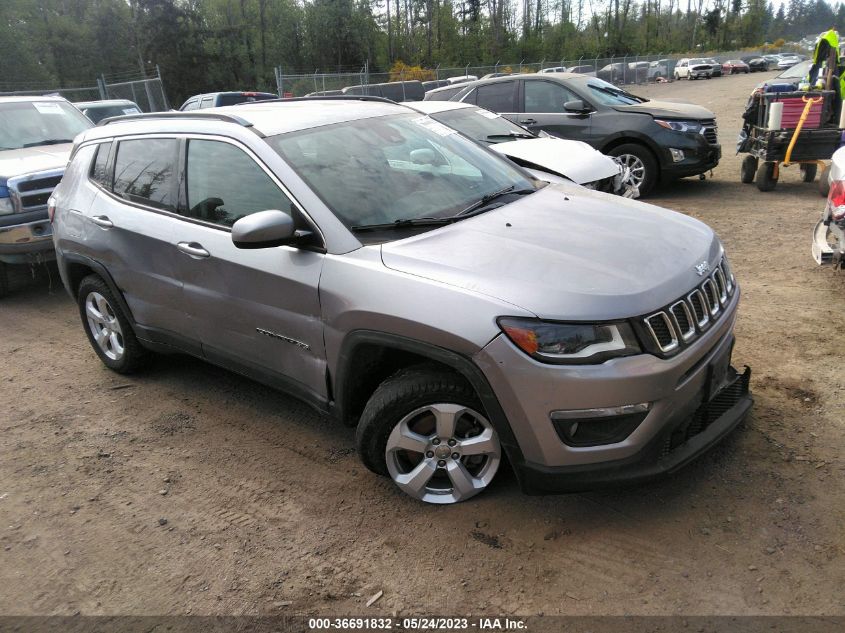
[808, 172]
[101, 313]
[690, 77]
[748, 169]
[824, 182]
[765, 177]
[415, 423]
[4, 280]
[677, 77]
[647, 161]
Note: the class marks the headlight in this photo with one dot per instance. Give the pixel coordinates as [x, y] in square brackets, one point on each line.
[570, 343]
[679, 126]
[6, 206]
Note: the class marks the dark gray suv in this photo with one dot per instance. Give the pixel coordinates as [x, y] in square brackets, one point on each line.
[655, 139]
[398, 276]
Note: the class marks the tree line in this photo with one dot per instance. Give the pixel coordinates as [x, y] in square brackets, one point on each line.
[204, 45]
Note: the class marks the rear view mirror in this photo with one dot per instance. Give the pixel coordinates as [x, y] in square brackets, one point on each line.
[576, 105]
[264, 229]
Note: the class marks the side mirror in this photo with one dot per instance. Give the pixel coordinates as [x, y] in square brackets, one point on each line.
[264, 229]
[575, 105]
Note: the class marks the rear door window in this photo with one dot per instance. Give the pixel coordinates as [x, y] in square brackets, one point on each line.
[498, 97]
[225, 184]
[145, 171]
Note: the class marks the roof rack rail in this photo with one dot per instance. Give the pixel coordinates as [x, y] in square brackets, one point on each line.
[229, 118]
[322, 98]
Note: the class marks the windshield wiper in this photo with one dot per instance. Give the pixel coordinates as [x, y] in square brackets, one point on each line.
[511, 135]
[490, 197]
[50, 141]
[401, 224]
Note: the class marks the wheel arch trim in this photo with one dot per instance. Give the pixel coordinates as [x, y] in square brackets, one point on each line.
[97, 268]
[463, 365]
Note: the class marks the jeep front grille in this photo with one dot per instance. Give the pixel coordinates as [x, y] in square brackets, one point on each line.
[686, 319]
[31, 191]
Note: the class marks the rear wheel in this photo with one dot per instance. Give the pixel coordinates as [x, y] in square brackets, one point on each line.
[641, 163]
[108, 328]
[677, 77]
[426, 429]
[824, 182]
[748, 169]
[766, 180]
[808, 172]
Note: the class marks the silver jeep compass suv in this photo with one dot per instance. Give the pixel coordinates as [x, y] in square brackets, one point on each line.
[407, 281]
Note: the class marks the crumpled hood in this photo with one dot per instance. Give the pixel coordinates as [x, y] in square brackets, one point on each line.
[15, 162]
[668, 110]
[565, 253]
[574, 159]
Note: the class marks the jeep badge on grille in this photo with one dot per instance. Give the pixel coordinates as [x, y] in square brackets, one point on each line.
[702, 268]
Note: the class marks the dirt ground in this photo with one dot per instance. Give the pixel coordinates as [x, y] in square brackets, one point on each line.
[189, 490]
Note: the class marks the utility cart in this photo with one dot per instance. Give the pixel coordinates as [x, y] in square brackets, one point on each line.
[807, 135]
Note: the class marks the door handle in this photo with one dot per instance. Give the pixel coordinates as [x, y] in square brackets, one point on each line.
[193, 249]
[102, 221]
[528, 121]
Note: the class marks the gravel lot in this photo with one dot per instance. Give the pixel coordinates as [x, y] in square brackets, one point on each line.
[188, 489]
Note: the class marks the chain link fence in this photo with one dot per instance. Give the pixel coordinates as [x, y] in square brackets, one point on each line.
[147, 92]
[629, 69]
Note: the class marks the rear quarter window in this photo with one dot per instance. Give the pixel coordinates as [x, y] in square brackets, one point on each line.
[100, 172]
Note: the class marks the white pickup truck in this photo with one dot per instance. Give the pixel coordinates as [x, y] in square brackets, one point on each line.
[36, 137]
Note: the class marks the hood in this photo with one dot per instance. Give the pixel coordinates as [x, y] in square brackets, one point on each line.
[574, 159]
[565, 253]
[16, 162]
[668, 110]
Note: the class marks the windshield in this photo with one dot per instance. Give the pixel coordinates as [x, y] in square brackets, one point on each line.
[481, 125]
[608, 94]
[32, 123]
[386, 169]
[798, 71]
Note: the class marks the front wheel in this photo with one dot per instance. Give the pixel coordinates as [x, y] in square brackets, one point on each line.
[640, 162]
[748, 169]
[4, 280]
[108, 328]
[766, 179]
[426, 429]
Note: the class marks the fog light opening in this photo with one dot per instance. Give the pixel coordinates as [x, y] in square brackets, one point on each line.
[677, 154]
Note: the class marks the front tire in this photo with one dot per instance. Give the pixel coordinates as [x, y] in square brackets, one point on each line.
[641, 162]
[4, 280]
[748, 169]
[108, 328]
[426, 429]
[766, 180]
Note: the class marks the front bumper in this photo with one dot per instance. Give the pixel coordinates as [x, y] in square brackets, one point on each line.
[684, 438]
[676, 388]
[27, 242]
[699, 155]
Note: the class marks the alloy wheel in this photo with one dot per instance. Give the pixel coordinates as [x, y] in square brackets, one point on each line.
[635, 167]
[443, 453]
[104, 326]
